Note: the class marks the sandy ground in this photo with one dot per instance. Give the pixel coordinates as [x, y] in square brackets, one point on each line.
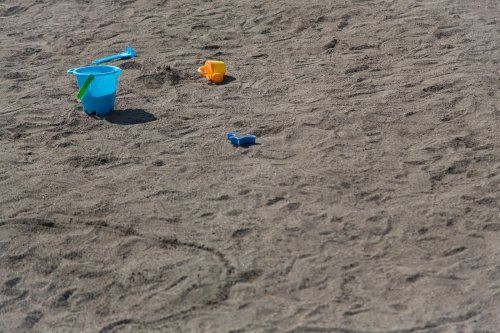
[370, 204]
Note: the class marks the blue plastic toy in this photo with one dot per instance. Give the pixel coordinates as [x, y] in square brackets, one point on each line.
[245, 140]
[129, 53]
[97, 88]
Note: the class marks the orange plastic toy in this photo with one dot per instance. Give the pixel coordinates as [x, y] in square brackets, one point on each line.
[213, 70]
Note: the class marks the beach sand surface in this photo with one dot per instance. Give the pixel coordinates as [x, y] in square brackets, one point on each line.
[371, 202]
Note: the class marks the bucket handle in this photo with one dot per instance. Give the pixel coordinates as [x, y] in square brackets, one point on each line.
[84, 87]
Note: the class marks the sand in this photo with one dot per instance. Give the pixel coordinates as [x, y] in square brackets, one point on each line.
[370, 204]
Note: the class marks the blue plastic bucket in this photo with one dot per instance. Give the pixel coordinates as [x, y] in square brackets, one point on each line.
[99, 98]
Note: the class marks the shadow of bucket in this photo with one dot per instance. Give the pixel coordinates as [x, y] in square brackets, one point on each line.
[99, 97]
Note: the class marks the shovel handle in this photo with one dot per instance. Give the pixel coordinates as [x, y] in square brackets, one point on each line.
[84, 87]
[117, 56]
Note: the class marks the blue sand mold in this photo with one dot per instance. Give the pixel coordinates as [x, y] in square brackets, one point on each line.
[247, 139]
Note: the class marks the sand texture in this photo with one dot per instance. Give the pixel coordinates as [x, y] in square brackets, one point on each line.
[371, 203]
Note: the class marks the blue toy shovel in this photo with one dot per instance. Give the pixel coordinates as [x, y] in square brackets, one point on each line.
[245, 140]
[129, 53]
